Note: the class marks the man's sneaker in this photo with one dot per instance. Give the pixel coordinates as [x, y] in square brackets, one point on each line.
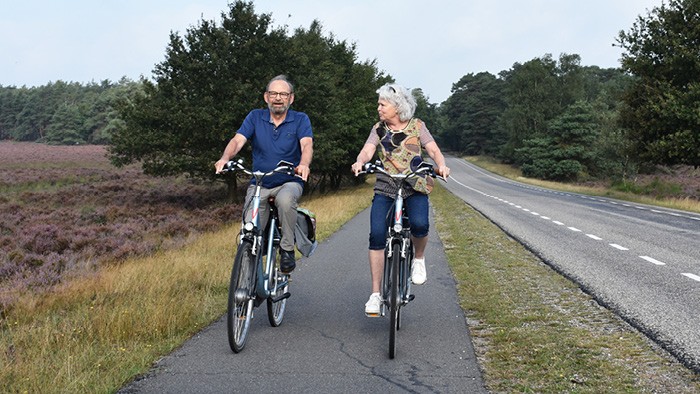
[418, 274]
[287, 262]
[374, 305]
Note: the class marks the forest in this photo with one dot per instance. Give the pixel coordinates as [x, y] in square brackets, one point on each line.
[550, 116]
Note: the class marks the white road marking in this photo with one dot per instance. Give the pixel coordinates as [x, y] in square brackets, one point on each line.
[557, 223]
[574, 229]
[616, 246]
[652, 260]
[594, 237]
[692, 276]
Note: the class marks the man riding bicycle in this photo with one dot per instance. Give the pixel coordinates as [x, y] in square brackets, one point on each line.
[401, 138]
[276, 133]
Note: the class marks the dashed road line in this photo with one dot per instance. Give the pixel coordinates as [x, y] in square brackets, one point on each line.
[592, 236]
[652, 260]
[692, 276]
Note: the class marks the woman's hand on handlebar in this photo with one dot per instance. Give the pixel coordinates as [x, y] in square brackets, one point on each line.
[443, 171]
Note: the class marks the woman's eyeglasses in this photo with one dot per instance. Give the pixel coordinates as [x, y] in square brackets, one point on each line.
[284, 95]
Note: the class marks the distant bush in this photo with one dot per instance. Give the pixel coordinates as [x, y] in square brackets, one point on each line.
[553, 170]
[656, 188]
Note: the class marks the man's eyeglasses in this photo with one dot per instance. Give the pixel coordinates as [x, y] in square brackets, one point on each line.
[284, 95]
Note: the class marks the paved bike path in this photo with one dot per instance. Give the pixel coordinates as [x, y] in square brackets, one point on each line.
[326, 344]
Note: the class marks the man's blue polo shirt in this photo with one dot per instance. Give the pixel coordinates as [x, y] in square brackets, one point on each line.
[271, 144]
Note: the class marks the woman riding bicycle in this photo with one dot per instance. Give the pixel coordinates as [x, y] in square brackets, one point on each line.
[402, 139]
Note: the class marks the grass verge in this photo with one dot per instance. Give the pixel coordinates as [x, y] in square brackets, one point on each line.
[534, 330]
[95, 333]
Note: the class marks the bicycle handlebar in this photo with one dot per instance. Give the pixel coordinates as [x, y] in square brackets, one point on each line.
[423, 168]
[283, 167]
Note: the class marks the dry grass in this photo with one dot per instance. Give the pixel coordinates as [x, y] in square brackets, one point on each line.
[95, 333]
[334, 210]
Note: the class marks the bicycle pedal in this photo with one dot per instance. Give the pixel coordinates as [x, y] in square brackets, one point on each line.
[281, 297]
[411, 297]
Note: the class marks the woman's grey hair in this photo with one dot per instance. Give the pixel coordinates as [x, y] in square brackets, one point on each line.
[280, 77]
[399, 97]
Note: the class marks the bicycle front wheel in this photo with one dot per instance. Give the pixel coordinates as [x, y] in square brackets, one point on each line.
[394, 297]
[280, 282]
[241, 294]
[405, 281]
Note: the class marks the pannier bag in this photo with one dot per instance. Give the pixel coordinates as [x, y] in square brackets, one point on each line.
[305, 232]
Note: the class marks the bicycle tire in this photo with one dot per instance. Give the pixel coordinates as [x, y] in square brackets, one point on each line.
[241, 296]
[275, 310]
[394, 297]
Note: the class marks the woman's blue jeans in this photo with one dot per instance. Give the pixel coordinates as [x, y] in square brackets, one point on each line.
[382, 213]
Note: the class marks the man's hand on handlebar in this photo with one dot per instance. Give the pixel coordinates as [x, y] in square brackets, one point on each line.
[219, 165]
[303, 171]
[357, 167]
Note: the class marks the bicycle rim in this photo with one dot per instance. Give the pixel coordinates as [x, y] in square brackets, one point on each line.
[394, 301]
[275, 310]
[240, 297]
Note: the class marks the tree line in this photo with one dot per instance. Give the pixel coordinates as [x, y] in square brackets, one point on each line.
[555, 119]
[552, 117]
[63, 113]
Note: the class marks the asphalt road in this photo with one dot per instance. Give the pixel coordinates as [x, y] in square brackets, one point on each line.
[642, 262]
[326, 344]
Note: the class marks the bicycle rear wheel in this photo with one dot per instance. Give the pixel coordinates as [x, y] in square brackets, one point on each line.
[275, 310]
[394, 297]
[241, 295]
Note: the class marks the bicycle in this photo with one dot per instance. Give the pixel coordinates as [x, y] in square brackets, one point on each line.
[256, 275]
[398, 253]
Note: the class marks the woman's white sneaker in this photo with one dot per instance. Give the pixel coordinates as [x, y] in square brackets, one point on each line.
[373, 305]
[418, 274]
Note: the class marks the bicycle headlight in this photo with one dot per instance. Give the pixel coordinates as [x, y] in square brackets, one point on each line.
[248, 226]
[398, 227]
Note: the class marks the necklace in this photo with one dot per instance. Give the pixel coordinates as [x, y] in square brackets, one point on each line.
[389, 129]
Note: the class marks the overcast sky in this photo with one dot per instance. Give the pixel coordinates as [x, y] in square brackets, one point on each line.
[422, 44]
